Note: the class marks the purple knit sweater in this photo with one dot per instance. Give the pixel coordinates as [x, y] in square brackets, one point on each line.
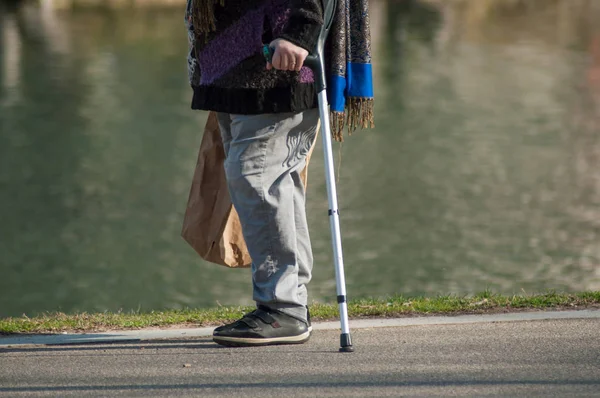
[228, 70]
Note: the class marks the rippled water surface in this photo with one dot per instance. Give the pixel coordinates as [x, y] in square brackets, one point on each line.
[483, 171]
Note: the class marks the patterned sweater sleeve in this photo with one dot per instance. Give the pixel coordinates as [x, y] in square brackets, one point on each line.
[304, 24]
[192, 60]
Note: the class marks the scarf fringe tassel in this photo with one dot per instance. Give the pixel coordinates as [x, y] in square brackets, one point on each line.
[358, 113]
[203, 17]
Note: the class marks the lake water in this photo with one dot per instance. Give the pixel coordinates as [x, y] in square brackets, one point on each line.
[483, 170]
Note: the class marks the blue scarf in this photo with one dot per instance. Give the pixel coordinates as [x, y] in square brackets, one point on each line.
[350, 76]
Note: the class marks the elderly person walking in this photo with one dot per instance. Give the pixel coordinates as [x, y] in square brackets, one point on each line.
[268, 117]
[268, 120]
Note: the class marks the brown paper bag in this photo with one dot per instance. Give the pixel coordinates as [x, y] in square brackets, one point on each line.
[211, 225]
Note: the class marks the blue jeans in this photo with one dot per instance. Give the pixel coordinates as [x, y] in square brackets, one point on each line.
[264, 157]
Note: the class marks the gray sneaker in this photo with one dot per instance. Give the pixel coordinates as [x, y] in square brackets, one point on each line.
[262, 326]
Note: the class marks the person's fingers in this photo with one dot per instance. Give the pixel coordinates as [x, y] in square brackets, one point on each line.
[287, 56]
[285, 61]
[269, 66]
[300, 62]
[276, 61]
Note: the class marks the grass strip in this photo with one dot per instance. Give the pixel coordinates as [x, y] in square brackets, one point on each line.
[393, 306]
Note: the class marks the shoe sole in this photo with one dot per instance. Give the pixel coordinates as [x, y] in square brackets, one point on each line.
[251, 342]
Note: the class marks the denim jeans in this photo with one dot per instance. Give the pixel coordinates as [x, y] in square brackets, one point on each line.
[264, 157]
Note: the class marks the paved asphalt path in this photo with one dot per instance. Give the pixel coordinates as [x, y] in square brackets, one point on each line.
[548, 358]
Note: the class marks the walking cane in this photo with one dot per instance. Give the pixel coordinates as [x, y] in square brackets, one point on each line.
[316, 62]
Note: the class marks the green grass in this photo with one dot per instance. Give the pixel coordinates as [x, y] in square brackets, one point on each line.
[395, 306]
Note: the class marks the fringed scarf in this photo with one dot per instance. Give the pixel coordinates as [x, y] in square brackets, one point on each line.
[350, 81]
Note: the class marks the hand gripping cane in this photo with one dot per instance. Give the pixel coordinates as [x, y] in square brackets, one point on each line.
[316, 62]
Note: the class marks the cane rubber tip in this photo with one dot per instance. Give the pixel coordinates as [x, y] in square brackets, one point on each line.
[346, 343]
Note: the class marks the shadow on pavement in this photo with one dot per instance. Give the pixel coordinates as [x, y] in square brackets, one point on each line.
[307, 384]
[118, 345]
